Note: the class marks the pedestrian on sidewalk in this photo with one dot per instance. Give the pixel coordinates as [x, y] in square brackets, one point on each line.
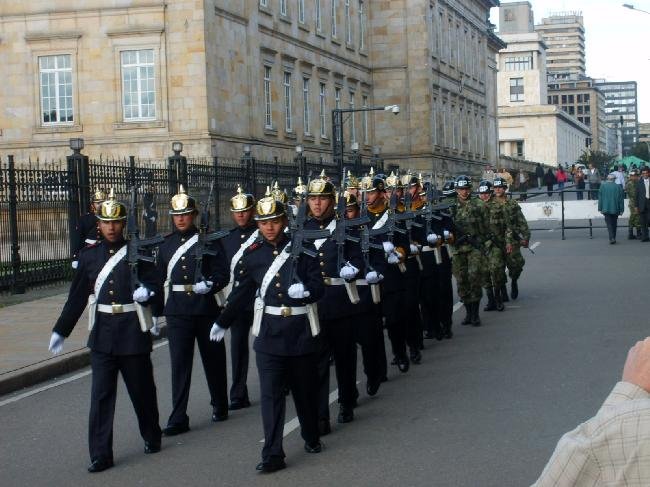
[561, 177]
[643, 202]
[593, 176]
[630, 190]
[580, 183]
[522, 180]
[549, 181]
[620, 175]
[611, 203]
[120, 339]
[539, 174]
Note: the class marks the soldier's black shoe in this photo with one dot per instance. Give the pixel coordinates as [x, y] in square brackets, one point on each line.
[504, 294]
[176, 429]
[372, 387]
[630, 234]
[468, 315]
[498, 302]
[346, 414]
[403, 364]
[324, 427]
[446, 331]
[219, 416]
[429, 335]
[235, 405]
[476, 321]
[514, 289]
[416, 356]
[316, 447]
[100, 465]
[491, 305]
[394, 361]
[151, 447]
[273, 464]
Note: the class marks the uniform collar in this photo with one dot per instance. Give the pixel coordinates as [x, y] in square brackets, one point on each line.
[187, 233]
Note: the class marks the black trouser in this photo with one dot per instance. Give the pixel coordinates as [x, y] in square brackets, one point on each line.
[239, 355]
[370, 336]
[392, 305]
[611, 221]
[181, 333]
[643, 221]
[137, 373]
[411, 307]
[300, 374]
[593, 190]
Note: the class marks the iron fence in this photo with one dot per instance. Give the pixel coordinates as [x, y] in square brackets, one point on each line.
[40, 204]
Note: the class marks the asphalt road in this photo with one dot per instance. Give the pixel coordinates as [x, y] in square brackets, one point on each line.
[484, 409]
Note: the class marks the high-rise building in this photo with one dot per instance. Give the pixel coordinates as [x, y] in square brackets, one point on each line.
[564, 36]
[621, 109]
[644, 133]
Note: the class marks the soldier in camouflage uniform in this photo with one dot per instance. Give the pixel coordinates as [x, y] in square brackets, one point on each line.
[630, 191]
[520, 237]
[498, 243]
[468, 264]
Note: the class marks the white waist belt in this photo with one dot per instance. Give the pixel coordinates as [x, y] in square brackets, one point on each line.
[361, 282]
[90, 241]
[183, 287]
[333, 281]
[285, 311]
[116, 308]
[426, 248]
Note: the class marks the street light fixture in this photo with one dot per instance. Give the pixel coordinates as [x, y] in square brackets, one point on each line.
[632, 7]
[247, 149]
[301, 161]
[177, 147]
[299, 149]
[76, 145]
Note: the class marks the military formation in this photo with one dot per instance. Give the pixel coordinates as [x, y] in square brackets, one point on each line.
[314, 275]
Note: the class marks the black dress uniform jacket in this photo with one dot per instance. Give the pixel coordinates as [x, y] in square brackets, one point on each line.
[86, 230]
[214, 268]
[231, 244]
[117, 334]
[288, 336]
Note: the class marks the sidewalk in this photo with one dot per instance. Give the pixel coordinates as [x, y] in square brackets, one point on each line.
[25, 331]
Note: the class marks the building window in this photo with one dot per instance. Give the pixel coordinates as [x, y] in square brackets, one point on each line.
[348, 23]
[283, 7]
[306, 116]
[301, 11]
[288, 122]
[516, 89]
[334, 9]
[519, 63]
[319, 17]
[353, 128]
[362, 26]
[520, 148]
[587, 120]
[586, 98]
[138, 87]
[322, 107]
[268, 117]
[264, 3]
[56, 89]
[364, 119]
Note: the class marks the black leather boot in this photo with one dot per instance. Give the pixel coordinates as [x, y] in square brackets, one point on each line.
[504, 294]
[497, 299]
[446, 331]
[514, 289]
[476, 321]
[491, 305]
[468, 315]
[630, 233]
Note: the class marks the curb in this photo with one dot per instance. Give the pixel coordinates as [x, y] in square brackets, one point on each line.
[50, 369]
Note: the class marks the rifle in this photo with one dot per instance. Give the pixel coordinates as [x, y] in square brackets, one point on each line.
[365, 233]
[410, 223]
[202, 246]
[518, 238]
[138, 250]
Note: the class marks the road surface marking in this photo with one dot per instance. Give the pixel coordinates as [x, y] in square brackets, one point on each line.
[535, 245]
[457, 306]
[58, 383]
[552, 230]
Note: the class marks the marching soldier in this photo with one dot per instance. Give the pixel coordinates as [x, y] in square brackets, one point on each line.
[520, 237]
[117, 341]
[242, 208]
[337, 313]
[393, 286]
[468, 263]
[285, 325]
[630, 191]
[190, 308]
[87, 230]
[499, 244]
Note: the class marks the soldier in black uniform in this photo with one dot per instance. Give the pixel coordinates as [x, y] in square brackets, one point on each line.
[242, 207]
[338, 315]
[87, 232]
[285, 326]
[117, 341]
[190, 308]
[396, 248]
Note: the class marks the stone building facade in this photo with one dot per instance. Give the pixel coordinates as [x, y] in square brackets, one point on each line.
[131, 76]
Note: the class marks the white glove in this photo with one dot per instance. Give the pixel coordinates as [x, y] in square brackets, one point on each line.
[298, 291]
[433, 238]
[348, 271]
[388, 247]
[75, 264]
[154, 330]
[447, 234]
[217, 333]
[202, 287]
[56, 343]
[415, 249]
[393, 258]
[373, 277]
[141, 294]
[153, 219]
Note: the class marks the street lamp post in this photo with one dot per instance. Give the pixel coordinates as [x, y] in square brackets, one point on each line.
[248, 162]
[301, 161]
[356, 157]
[376, 161]
[632, 7]
[177, 168]
[337, 129]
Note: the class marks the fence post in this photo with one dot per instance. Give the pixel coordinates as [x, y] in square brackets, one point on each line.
[562, 199]
[18, 283]
[74, 206]
[217, 193]
[132, 171]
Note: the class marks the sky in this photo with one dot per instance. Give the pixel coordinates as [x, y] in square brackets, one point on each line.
[617, 40]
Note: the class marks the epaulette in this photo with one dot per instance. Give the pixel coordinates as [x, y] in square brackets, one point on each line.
[255, 245]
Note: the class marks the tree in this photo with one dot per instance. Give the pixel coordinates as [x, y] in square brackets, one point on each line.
[641, 151]
[596, 157]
